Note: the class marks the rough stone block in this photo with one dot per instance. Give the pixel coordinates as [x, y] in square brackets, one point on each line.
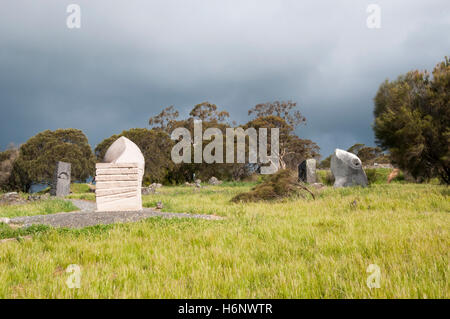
[307, 171]
[61, 180]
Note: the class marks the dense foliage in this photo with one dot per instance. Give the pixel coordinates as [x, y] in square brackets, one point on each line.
[412, 121]
[38, 157]
[281, 115]
[7, 159]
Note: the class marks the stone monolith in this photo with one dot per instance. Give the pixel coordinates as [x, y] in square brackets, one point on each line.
[307, 171]
[61, 180]
[347, 169]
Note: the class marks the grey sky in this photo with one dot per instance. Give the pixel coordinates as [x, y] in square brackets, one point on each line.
[132, 58]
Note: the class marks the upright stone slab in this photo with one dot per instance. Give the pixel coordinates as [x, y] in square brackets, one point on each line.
[119, 178]
[302, 171]
[61, 180]
[311, 171]
[347, 169]
[307, 171]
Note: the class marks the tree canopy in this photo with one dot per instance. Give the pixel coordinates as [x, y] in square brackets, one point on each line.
[369, 155]
[38, 157]
[412, 121]
[7, 159]
[284, 116]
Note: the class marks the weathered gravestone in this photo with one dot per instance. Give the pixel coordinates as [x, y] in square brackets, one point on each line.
[61, 180]
[119, 177]
[347, 169]
[307, 171]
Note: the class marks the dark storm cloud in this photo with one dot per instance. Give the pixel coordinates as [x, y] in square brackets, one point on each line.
[131, 58]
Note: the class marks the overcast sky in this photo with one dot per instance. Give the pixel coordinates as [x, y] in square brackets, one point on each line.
[131, 58]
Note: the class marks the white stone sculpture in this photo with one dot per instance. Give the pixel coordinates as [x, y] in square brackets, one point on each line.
[347, 169]
[119, 177]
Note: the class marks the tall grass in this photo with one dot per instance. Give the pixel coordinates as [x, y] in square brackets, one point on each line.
[293, 248]
[374, 176]
[49, 206]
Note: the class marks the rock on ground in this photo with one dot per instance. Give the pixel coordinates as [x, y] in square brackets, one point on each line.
[214, 181]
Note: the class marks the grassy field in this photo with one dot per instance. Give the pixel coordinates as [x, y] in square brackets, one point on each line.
[296, 248]
[36, 208]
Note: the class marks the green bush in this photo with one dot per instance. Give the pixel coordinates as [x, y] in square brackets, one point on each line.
[282, 184]
[325, 177]
[37, 158]
[380, 175]
[374, 176]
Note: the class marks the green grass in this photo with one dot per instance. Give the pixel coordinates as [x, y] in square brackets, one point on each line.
[81, 191]
[83, 196]
[293, 248]
[18, 233]
[49, 206]
[380, 175]
[374, 176]
[78, 188]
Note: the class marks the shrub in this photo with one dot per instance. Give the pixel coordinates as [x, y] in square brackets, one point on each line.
[380, 175]
[325, 163]
[7, 159]
[279, 185]
[38, 157]
[325, 177]
[374, 176]
[412, 120]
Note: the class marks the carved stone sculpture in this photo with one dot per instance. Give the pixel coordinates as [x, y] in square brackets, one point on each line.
[119, 177]
[347, 169]
[61, 180]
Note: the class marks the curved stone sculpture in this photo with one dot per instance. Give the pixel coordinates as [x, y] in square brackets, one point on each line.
[124, 151]
[347, 169]
[119, 177]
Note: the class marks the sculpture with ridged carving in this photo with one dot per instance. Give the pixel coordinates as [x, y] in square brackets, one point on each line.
[119, 177]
